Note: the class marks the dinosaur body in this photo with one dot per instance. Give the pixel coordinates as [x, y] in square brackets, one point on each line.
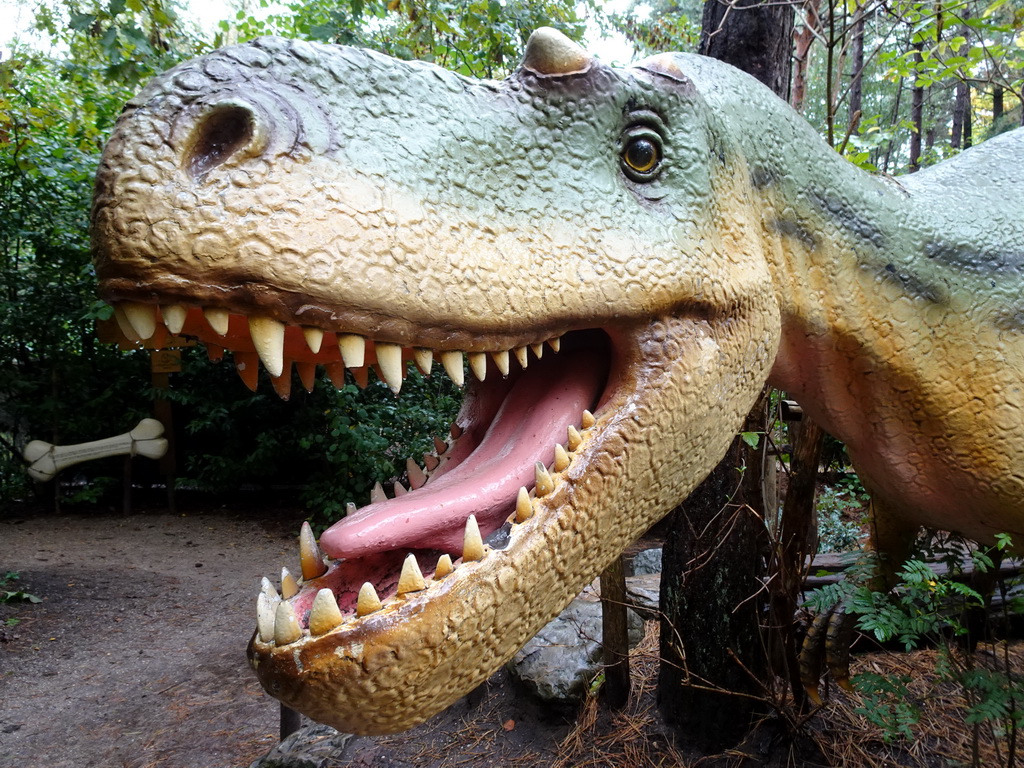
[676, 233]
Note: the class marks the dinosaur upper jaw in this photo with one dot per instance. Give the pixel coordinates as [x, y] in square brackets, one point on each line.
[665, 394]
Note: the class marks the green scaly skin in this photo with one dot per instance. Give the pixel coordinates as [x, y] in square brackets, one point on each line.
[338, 190]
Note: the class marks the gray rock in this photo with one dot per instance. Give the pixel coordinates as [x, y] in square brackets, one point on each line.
[310, 747]
[643, 594]
[646, 562]
[561, 661]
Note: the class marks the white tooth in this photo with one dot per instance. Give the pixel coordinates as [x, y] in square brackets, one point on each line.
[123, 324]
[314, 338]
[561, 458]
[538, 350]
[353, 349]
[307, 375]
[268, 338]
[416, 476]
[324, 615]
[575, 438]
[521, 356]
[543, 483]
[289, 586]
[555, 343]
[286, 625]
[444, 567]
[389, 358]
[399, 490]
[174, 317]
[524, 506]
[501, 361]
[142, 318]
[424, 359]
[478, 364]
[267, 589]
[218, 320]
[411, 579]
[350, 508]
[452, 362]
[377, 493]
[265, 611]
[367, 602]
[588, 420]
[310, 557]
[472, 543]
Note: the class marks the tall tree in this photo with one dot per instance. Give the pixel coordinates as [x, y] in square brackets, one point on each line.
[712, 650]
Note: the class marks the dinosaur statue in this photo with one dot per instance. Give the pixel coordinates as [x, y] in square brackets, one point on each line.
[625, 257]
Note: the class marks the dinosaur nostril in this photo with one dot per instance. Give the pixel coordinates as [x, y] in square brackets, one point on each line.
[222, 132]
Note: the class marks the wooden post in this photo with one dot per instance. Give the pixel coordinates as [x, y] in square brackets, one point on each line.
[615, 635]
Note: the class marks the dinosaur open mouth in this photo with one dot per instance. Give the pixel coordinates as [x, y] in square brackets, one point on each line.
[524, 416]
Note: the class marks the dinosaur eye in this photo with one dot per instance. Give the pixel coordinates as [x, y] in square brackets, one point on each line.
[641, 155]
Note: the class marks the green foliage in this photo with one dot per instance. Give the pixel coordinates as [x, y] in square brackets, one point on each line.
[841, 508]
[14, 596]
[887, 704]
[479, 38]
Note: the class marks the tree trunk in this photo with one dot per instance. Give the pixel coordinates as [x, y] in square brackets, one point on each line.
[961, 115]
[916, 115]
[997, 103]
[856, 75]
[752, 35]
[802, 41]
[714, 562]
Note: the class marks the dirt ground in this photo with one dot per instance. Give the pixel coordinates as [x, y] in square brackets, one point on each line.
[135, 658]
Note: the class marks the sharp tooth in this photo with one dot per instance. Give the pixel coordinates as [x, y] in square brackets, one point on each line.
[265, 611]
[289, 586]
[142, 318]
[501, 361]
[561, 458]
[452, 362]
[267, 589]
[456, 431]
[440, 445]
[411, 579]
[389, 358]
[575, 438]
[350, 508]
[478, 364]
[588, 420]
[555, 343]
[283, 383]
[538, 350]
[431, 461]
[377, 493]
[314, 338]
[123, 324]
[286, 625]
[268, 338]
[424, 359]
[444, 567]
[218, 320]
[524, 506]
[307, 375]
[520, 353]
[399, 490]
[248, 367]
[353, 349]
[416, 476]
[472, 543]
[324, 615]
[544, 484]
[336, 373]
[361, 376]
[367, 602]
[310, 557]
[174, 317]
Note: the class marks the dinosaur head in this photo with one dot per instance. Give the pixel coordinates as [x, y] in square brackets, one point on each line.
[577, 232]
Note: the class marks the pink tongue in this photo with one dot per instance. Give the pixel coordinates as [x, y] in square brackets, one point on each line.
[541, 405]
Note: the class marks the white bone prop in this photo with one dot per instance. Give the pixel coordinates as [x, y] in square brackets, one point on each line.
[46, 460]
